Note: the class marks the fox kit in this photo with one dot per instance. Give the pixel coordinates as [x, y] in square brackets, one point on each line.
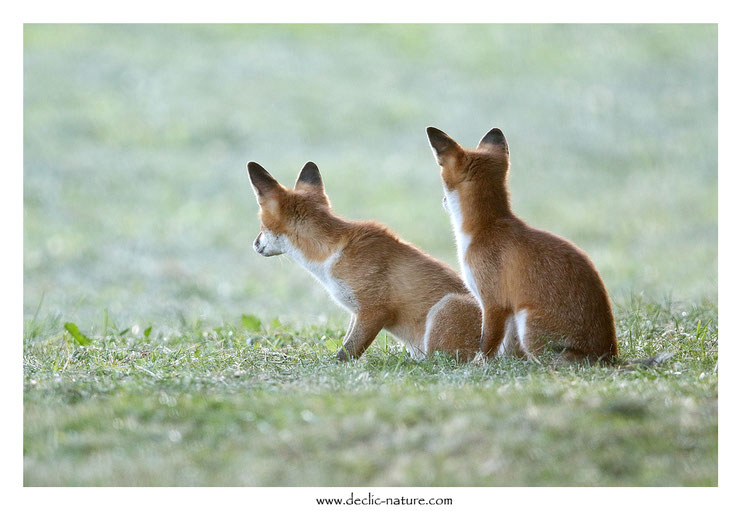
[382, 281]
[532, 286]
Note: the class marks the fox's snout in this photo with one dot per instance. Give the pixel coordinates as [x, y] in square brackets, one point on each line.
[256, 245]
[267, 244]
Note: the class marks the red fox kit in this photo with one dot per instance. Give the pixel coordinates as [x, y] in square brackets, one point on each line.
[532, 286]
[382, 281]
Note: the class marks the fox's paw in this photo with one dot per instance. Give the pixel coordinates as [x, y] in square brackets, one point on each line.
[342, 355]
[479, 359]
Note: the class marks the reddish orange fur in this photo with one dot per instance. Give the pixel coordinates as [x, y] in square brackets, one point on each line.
[517, 267]
[394, 284]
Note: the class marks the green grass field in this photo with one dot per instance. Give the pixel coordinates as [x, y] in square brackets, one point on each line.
[202, 363]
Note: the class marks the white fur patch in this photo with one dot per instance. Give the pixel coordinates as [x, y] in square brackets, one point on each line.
[508, 337]
[463, 240]
[322, 271]
[520, 323]
[270, 244]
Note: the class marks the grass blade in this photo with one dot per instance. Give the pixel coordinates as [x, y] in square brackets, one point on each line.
[78, 336]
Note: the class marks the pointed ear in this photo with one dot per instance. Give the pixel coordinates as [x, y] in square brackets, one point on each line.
[443, 146]
[263, 184]
[309, 176]
[494, 139]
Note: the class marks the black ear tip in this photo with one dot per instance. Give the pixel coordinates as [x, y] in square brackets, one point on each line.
[494, 137]
[494, 133]
[310, 174]
[256, 171]
[438, 137]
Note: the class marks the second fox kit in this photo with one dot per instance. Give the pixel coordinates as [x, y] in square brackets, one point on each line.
[533, 286]
[382, 281]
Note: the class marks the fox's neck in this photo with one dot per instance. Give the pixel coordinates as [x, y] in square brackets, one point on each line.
[474, 207]
[323, 238]
[472, 211]
[318, 249]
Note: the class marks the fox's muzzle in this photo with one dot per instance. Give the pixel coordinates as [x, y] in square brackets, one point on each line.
[267, 244]
[256, 245]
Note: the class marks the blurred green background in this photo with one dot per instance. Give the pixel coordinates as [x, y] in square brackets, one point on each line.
[136, 200]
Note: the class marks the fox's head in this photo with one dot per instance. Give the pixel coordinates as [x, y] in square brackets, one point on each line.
[478, 172]
[289, 219]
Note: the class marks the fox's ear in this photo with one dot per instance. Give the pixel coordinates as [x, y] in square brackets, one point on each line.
[494, 139]
[309, 176]
[263, 184]
[443, 146]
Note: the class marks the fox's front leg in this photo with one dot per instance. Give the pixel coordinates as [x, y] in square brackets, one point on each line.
[351, 324]
[493, 329]
[362, 331]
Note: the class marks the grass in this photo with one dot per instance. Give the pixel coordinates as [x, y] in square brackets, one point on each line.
[160, 350]
[271, 407]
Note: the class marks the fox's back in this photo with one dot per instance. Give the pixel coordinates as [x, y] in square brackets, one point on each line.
[378, 257]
